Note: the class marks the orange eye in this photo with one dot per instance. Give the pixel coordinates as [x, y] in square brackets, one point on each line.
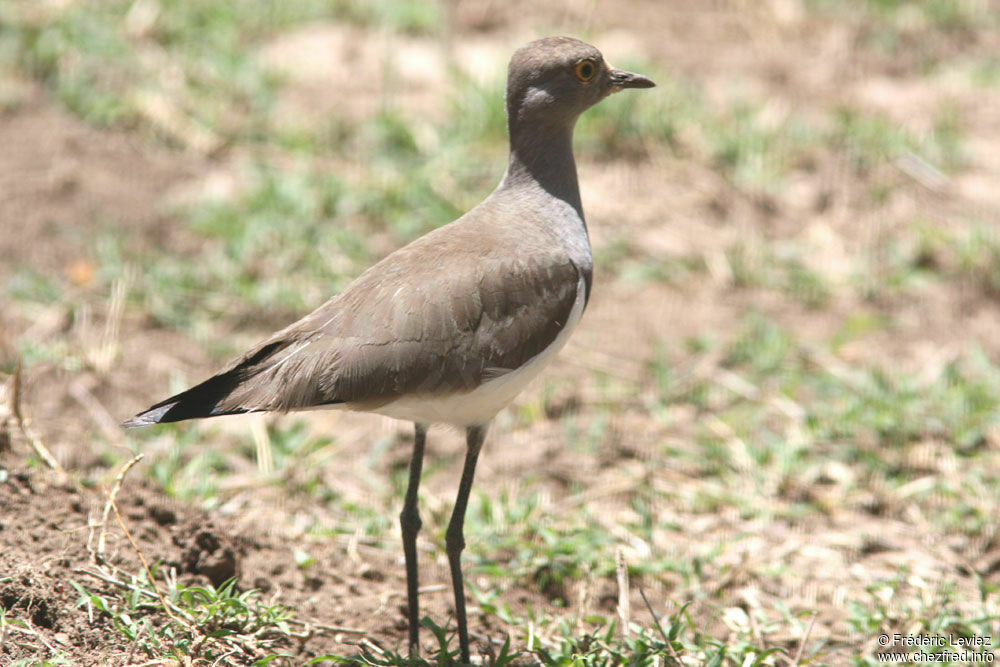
[585, 70]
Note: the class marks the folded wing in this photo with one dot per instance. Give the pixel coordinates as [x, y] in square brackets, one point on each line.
[404, 326]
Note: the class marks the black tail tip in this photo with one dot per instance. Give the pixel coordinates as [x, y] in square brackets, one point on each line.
[149, 417]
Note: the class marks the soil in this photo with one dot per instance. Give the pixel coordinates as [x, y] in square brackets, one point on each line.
[51, 533]
[63, 183]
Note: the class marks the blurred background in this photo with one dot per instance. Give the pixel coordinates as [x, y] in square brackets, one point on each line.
[779, 412]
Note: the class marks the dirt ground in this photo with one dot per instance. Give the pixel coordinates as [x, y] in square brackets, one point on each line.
[49, 539]
[62, 181]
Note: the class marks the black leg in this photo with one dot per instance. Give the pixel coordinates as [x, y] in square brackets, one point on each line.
[409, 522]
[454, 538]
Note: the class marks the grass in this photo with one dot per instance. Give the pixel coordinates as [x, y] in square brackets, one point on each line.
[190, 476]
[781, 267]
[939, 620]
[912, 32]
[784, 404]
[754, 431]
[927, 254]
[870, 140]
[124, 62]
[203, 623]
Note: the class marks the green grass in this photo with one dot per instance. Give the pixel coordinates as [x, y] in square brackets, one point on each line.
[869, 140]
[306, 220]
[941, 14]
[912, 32]
[756, 145]
[199, 622]
[102, 57]
[291, 458]
[779, 266]
[783, 406]
[964, 256]
[188, 470]
[623, 258]
[931, 615]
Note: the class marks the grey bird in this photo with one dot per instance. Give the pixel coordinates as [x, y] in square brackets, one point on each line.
[449, 328]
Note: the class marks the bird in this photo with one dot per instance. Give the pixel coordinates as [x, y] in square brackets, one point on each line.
[449, 328]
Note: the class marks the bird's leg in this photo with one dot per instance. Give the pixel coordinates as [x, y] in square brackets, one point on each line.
[454, 539]
[409, 522]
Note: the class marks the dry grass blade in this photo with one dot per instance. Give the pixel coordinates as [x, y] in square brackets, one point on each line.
[659, 626]
[112, 496]
[805, 638]
[262, 446]
[30, 630]
[624, 607]
[310, 626]
[175, 123]
[103, 356]
[36, 443]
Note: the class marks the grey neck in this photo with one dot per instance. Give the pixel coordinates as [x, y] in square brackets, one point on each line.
[541, 156]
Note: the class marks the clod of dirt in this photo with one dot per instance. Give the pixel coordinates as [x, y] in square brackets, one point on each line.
[162, 515]
[209, 555]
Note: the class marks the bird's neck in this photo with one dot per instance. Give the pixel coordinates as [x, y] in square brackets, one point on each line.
[542, 157]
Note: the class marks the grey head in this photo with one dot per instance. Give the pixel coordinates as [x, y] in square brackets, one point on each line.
[551, 81]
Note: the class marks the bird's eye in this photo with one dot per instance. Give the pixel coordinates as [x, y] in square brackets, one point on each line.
[585, 70]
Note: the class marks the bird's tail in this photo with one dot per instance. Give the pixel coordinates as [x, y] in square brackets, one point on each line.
[202, 400]
[214, 396]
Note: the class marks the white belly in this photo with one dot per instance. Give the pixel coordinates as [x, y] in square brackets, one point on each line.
[479, 406]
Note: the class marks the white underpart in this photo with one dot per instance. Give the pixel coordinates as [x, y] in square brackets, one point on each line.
[479, 406]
